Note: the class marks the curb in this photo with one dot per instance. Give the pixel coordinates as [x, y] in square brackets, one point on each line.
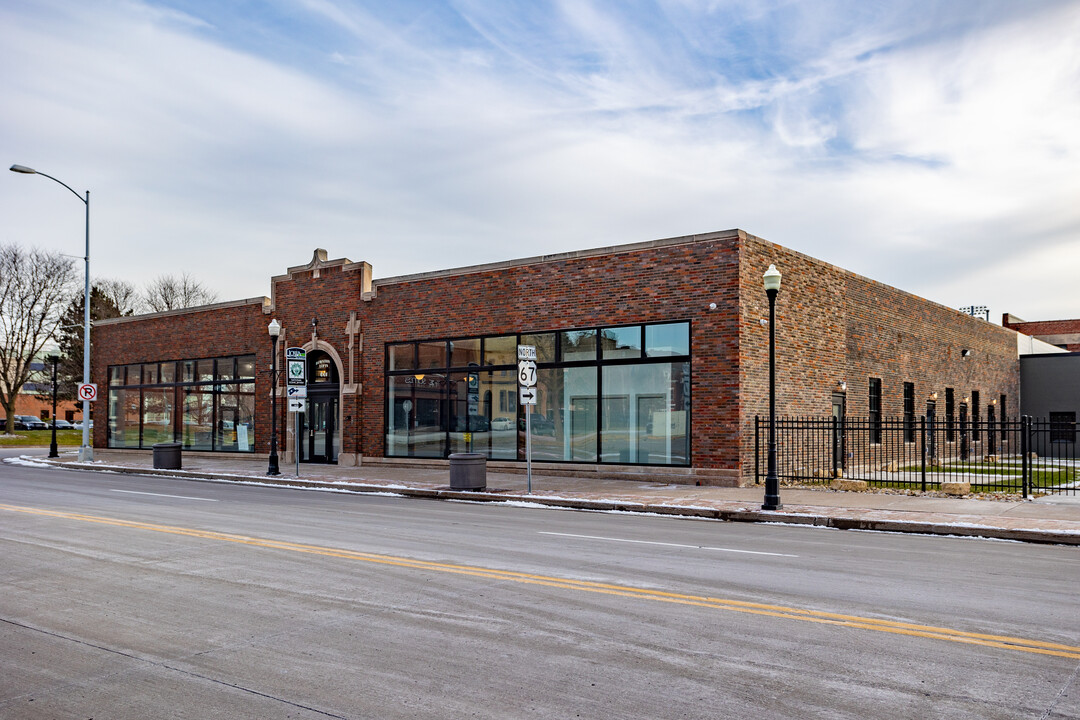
[750, 515]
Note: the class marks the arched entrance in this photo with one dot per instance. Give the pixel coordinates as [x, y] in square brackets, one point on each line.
[319, 425]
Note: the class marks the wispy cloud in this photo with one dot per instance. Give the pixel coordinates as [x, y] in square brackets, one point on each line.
[929, 145]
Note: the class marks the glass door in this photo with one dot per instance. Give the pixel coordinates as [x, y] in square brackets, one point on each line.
[319, 422]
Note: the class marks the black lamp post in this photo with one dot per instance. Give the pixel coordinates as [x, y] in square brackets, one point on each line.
[274, 328]
[54, 357]
[772, 479]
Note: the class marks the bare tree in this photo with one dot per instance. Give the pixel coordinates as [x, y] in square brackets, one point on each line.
[121, 294]
[33, 288]
[168, 292]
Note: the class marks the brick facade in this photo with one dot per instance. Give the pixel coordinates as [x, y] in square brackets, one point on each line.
[1062, 333]
[832, 326]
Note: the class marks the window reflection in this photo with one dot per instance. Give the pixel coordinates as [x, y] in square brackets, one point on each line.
[206, 409]
[642, 415]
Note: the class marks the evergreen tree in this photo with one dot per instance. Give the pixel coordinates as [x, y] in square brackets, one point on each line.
[69, 371]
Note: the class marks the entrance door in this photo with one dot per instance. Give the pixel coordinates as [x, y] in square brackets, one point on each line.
[839, 443]
[319, 430]
[228, 418]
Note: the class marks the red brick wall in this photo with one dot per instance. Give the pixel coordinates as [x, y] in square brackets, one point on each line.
[1049, 330]
[235, 329]
[665, 282]
[834, 325]
[831, 325]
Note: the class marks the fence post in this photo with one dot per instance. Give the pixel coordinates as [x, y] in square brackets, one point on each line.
[835, 445]
[757, 448]
[1025, 451]
[922, 443]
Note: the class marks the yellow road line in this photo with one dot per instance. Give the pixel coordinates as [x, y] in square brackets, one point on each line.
[779, 611]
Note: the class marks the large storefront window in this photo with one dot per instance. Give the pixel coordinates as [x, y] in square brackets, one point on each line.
[206, 404]
[608, 395]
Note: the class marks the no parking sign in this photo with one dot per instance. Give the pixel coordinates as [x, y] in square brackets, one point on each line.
[87, 392]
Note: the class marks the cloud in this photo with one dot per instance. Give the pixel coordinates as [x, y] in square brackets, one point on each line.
[927, 147]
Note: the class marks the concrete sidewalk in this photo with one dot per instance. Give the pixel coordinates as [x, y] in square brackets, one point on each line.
[1050, 519]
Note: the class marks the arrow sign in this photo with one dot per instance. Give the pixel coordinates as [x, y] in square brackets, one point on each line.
[526, 395]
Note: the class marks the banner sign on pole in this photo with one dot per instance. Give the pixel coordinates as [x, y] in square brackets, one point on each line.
[295, 366]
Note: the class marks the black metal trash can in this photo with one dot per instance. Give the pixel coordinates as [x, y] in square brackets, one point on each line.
[167, 456]
[468, 471]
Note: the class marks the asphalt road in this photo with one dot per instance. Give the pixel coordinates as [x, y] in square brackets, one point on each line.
[131, 597]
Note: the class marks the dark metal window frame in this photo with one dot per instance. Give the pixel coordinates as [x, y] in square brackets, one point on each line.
[909, 412]
[178, 385]
[1063, 426]
[874, 403]
[950, 415]
[598, 361]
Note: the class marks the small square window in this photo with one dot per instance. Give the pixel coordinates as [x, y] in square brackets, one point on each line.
[500, 350]
[168, 372]
[544, 344]
[402, 356]
[578, 345]
[245, 367]
[134, 374]
[431, 355]
[667, 339]
[622, 342]
[464, 353]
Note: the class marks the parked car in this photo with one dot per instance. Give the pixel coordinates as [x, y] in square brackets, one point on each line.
[541, 425]
[30, 422]
[476, 423]
[78, 425]
[502, 423]
[62, 424]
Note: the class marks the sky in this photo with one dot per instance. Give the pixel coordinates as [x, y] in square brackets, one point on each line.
[930, 145]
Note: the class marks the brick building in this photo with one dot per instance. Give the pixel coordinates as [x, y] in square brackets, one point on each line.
[1064, 334]
[653, 360]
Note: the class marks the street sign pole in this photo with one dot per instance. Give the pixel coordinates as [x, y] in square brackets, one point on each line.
[527, 397]
[296, 442]
[528, 449]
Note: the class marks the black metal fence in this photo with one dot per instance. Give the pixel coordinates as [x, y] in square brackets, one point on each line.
[1027, 455]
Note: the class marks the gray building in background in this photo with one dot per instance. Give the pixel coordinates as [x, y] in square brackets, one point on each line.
[1050, 389]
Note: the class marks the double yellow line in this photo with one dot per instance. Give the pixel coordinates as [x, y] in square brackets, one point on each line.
[779, 611]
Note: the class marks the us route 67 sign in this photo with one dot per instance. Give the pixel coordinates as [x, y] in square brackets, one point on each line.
[526, 373]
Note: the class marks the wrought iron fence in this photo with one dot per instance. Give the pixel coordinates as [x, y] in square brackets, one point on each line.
[1027, 455]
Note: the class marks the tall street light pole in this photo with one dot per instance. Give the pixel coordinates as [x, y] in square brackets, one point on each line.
[274, 328]
[86, 452]
[772, 478]
[54, 357]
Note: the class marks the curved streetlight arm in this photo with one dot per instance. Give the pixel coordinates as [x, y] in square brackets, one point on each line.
[86, 452]
[30, 171]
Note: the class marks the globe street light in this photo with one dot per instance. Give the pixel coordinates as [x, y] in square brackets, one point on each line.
[54, 357]
[274, 328]
[772, 479]
[86, 451]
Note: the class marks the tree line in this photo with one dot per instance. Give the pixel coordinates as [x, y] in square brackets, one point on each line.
[42, 299]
